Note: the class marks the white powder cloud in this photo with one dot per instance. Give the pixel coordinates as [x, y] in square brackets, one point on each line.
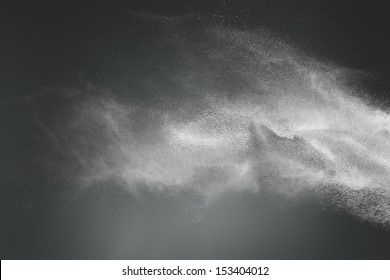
[239, 111]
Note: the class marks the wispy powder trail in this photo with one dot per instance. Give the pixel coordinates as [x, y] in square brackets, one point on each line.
[237, 111]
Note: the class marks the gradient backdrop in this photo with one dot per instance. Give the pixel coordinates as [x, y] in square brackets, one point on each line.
[195, 130]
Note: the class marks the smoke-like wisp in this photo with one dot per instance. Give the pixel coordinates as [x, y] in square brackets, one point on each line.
[231, 111]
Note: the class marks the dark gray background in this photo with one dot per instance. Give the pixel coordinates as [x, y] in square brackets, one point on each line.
[51, 44]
